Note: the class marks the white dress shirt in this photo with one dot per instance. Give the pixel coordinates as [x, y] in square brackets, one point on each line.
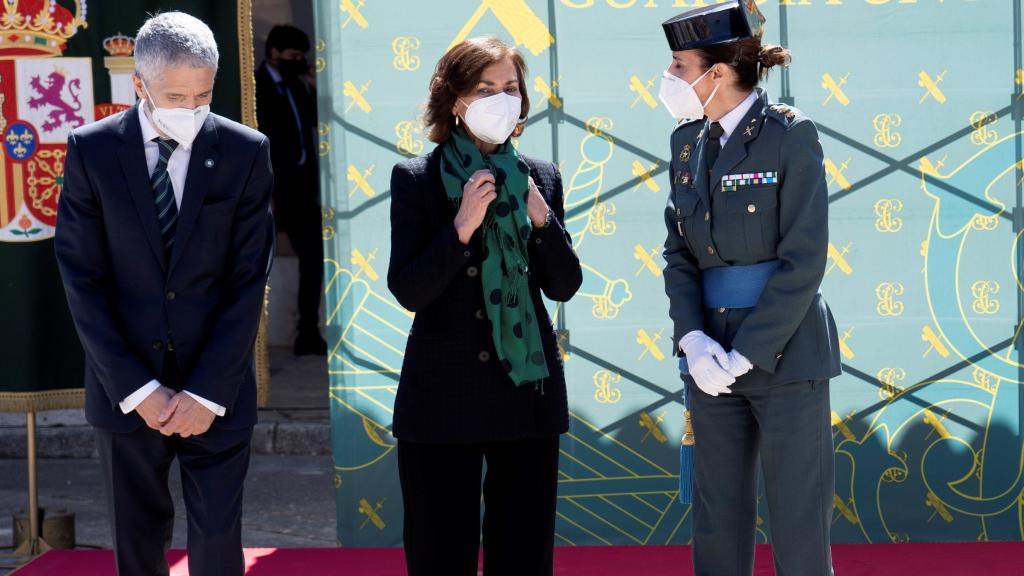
[177, 170]
[732, 120]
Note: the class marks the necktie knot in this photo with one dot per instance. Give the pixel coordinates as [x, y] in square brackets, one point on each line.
[716, 130]
[167, 147]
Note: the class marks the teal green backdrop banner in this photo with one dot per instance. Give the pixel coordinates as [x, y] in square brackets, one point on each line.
[918, 103]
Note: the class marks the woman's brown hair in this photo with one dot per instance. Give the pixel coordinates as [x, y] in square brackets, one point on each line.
[748, 58]
[457, 72]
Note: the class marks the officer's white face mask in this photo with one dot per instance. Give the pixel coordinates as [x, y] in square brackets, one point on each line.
[181, 124]
[492, 119]
[681, 99]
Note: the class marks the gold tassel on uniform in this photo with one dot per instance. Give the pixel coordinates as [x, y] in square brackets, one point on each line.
[687, 429]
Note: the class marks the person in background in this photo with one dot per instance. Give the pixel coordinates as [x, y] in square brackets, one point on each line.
[286, 113]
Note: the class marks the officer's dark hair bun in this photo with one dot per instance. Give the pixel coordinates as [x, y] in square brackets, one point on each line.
[748, 58]
[773, 55]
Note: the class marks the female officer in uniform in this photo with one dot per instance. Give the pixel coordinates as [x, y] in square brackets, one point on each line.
[746, 252]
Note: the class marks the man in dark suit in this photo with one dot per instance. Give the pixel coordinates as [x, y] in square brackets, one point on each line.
[286, 113]
[164, 242]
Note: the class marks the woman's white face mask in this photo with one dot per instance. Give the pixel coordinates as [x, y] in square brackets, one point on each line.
[681, 99]
[492, 119]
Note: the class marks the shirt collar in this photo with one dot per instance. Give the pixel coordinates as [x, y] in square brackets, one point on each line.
[148, 130]
[274, 74]
[730, 121]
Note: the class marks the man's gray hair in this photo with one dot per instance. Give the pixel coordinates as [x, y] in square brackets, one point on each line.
[174, 39]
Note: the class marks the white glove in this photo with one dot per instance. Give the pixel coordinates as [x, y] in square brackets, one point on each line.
[708, 363]
[738, 364]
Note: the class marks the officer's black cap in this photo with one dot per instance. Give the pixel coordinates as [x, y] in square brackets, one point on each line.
[717, 24]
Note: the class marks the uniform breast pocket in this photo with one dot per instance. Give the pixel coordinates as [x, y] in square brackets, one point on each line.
[754, 216]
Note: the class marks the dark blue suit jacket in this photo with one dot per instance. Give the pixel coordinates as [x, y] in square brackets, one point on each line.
[129, 301]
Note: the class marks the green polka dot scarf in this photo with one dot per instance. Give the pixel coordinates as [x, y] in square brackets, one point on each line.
[506, 229]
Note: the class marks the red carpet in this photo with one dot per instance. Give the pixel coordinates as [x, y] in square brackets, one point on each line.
[984, 559]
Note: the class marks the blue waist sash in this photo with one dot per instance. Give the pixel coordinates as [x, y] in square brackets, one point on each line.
[736, 286]
[733, 287]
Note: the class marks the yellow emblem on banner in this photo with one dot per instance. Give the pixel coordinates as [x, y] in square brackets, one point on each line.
[359, 181]
[604, 392]
[884, 210]
[517, 18]
[982, 135]
[885, 133]
[931, 86]
[835, 89]
[888, 378]
[407, 142]
[405, 60]
[643, 91]
[357, 96]
[353, 9]
[887, 293]
[983, 292]
[835, 173]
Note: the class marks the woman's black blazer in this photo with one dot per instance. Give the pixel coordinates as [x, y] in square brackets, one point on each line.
[452, 388]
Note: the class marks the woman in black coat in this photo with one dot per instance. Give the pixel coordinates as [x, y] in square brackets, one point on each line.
[476, 236]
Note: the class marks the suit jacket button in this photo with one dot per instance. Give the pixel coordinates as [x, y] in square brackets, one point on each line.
[170, 295]
[472, 271]
[484, 356]
[467, 253]
[711, 250]
[480, 314]
[751, 208]
[158, 345]
[707, 216]
[537, 241]
[721, 310]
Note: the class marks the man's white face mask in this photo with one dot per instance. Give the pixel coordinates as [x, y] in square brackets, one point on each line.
[181, 124]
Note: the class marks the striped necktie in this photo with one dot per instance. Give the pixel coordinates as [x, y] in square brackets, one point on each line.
[166, 208]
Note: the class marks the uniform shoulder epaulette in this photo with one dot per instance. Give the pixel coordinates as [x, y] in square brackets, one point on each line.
[786, 115]
[688, 124]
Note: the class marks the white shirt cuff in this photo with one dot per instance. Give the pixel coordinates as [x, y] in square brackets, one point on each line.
[129, 404]
[215, 408]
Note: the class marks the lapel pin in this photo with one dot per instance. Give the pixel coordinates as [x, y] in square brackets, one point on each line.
[749, 130]
[209, 163]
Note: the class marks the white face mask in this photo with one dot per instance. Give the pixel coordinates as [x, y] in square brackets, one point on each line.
[181, 124]
[492, 119]
[681, 99]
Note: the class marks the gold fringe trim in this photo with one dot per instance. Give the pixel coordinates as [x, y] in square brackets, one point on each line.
[246, 63]
[247, 82]
[63, 399]
[263, 354]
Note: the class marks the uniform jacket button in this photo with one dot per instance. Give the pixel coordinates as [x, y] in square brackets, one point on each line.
[751, 208]
[472, 271]
[480, 314]
[707, 216]
[721, 310]
[170, 295]
[711, 250]
[484, 356]
[158, 345]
